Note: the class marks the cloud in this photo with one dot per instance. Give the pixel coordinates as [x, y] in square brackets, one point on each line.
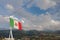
[43, 4]
[55, 22]
[41, 22]
[10, 7]
[4, 22]
[58, 1]
[55, 11]
[3, 18]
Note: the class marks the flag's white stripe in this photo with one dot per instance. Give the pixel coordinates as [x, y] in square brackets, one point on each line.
[15, 25]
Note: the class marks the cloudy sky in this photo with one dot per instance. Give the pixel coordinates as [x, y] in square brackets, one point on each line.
[36, 14]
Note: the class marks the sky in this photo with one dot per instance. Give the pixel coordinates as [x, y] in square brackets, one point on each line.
[36, 14]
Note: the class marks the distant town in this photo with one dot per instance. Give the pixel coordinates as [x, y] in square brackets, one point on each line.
[31, 35]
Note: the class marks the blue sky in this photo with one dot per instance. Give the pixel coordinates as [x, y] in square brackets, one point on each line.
[35, 10]
[36, 14]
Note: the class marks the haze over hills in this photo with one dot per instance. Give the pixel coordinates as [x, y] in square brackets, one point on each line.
[5, 33]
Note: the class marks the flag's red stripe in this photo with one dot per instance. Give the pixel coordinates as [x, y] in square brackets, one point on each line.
[19, 26]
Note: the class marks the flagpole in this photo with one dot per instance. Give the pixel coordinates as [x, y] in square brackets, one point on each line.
[11, 35]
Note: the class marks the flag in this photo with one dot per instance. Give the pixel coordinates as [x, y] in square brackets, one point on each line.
[15, 24]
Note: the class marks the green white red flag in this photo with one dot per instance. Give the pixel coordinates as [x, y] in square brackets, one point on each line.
[15, 24]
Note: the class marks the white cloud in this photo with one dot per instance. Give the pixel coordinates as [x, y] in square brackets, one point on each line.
[10, 7]
[4, 18]
[43, 4]
[55, 22]
[58, 1]
[4, 22]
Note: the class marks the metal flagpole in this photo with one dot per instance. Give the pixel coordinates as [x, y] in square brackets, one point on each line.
[11, 35]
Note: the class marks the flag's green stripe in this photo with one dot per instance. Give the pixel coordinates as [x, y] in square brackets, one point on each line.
[11, 22]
